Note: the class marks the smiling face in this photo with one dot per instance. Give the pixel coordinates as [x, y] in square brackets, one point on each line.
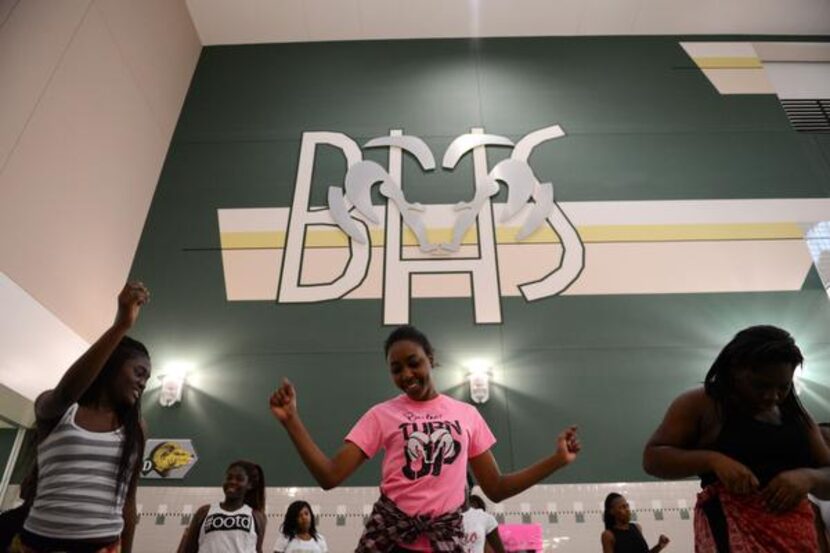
[236, 483]
[128, 385]
[411, 370]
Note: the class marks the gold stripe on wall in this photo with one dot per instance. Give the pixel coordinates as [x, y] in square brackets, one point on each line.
[728, 63]
[545, 235]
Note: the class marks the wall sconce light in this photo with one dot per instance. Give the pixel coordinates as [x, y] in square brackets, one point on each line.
[172, 382]
[479, 374]
[798, 383]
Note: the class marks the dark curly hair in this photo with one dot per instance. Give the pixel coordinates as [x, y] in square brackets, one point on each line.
[289, 524]
[756, 348]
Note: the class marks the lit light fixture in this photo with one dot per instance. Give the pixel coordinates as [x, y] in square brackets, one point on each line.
[172, 382]
[798, 385]
[479, 374]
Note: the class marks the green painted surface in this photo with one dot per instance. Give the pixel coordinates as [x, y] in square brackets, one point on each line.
[642, 125]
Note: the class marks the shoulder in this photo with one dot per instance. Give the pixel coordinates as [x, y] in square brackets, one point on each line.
[608, 536]
[695, 401]
[200, 514]
[259, 518]
[46, 415]
[392, 403]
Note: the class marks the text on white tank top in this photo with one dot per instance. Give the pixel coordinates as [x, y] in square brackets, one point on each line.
[228, 531]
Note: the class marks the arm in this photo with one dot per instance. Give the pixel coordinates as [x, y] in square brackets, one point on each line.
[328, 472]
[672, 450]
[790, 487]
[608, 541]
[670, 453]
[53, 403]
[821, 455]
[498, 486]
[260, 522]
[130, 512]
[662, 542]
[494, 541]
[190, 539]
[130, 516]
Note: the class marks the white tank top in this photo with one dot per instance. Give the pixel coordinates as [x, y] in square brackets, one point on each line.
[228, 531]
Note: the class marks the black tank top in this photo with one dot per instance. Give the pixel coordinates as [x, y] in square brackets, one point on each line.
[765, 448]
[629, 541]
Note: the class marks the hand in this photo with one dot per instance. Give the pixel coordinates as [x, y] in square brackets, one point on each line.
[567, 446]
[734, 475]
[786, 490]
[662, 541]
[284, 402]
[132, 297]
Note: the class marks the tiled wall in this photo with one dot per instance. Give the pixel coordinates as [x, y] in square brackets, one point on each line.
[570, 514]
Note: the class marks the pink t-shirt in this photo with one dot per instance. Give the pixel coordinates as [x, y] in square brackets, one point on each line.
[427, 444]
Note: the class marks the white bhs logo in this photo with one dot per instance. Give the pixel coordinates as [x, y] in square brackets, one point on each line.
[350, 211]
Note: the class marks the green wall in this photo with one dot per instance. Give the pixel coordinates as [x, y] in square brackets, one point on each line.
[643, 124]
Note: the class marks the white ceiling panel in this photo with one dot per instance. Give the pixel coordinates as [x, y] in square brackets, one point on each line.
[37, 346]
[680, 17]
[772, 16]
[439, 19]
[385, 19]
[251, 21]
[326, 20]
[601, 17]
[531, 17]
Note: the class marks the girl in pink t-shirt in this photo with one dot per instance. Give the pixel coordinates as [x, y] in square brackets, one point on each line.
[428, 439]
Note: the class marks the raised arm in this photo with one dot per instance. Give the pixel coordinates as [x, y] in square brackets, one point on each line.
[498, 486]
[51, 404]
[328, 472]
[673, 452]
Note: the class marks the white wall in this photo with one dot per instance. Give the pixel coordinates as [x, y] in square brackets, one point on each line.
[91, 91]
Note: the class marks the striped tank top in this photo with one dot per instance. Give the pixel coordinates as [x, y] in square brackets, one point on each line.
[77, 493]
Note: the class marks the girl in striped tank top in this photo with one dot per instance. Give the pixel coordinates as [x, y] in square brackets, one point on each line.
[237, 524]
[90, 442]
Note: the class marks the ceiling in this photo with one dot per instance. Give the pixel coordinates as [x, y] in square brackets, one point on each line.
[257, 21]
